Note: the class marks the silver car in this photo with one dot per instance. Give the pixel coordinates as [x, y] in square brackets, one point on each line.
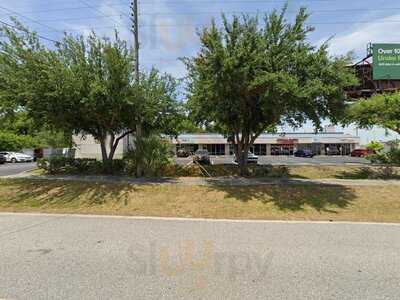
[15, 157]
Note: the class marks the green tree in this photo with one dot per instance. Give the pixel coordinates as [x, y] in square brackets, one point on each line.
[14, 142]
[381, 110]
[84, 86]
[251, 76]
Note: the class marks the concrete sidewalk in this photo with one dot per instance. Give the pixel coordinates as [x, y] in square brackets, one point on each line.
[224, 181]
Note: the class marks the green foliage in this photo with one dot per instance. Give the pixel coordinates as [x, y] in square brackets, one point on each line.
[16, 142]
[380, 156]
[251, 76]
[375, 146]
[157, 108]
[153, 154]
[54, 139]
[381, 110]
[391, 157]
[82, 166]
[85, 86]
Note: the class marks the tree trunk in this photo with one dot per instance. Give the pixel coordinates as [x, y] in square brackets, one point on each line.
[241, 157]
[244, 171]
[139, 168]
[103, 146]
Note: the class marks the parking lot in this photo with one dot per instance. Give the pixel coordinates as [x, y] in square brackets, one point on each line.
[289, 160]
[9, 169]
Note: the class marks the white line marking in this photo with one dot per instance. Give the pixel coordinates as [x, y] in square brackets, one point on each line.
[144, 218]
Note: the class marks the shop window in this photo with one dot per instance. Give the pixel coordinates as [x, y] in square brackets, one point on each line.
[260, 149]
[216, 149]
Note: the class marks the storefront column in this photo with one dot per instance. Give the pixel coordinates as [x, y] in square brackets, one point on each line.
[268, 149]
[323, 149]
[227, 149]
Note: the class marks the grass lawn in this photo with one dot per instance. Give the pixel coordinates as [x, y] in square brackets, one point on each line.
[308, 202]
[339, 172]
[306, 172]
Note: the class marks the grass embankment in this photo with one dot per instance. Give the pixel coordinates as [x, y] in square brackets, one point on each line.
[305, 172]
[319, 202]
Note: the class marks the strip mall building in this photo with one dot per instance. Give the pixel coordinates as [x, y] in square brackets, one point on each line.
[273, 144]
[266, 144]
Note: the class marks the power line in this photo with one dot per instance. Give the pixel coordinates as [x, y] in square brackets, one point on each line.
[206, 24]
[230, 1]
[38, 35]
[64, 9]
[308, 23]
[189, 13]
[28, 18]
[262, 12]
[95, 8]
[212, 13]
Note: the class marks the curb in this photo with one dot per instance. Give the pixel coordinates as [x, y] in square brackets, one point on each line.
[206, 220]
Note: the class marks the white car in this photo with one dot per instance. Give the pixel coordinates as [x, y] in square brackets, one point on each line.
[17, 157]
[251, 158]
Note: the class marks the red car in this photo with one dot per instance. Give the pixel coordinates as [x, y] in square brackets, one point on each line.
[360, 152]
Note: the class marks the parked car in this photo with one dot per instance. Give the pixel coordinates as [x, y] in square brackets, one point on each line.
[202, 156]
[304, 153]
[251, 158]
[14, 157]
[2, 159]
[333, 151]
[361, 152]
[182, 153]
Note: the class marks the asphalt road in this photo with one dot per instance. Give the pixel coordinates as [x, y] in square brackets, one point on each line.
[290, 160]
[9, 169]
[64, 257]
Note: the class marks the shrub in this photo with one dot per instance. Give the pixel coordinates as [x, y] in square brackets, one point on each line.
[392, 157]
[54, 165]
[64, 165]
[374, 146]
[153, 154]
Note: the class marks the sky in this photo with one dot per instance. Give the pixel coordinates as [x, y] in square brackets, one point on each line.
[168, 28]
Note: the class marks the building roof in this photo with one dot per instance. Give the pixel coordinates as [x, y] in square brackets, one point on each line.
[270, 138]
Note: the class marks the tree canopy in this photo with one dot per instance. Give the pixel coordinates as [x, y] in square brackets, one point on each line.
[251, 76]
[85, 85]
[381, 110]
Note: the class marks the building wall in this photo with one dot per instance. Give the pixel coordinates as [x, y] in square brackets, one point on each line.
[87, 147]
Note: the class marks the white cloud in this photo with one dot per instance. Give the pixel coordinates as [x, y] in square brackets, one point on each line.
[379, 31]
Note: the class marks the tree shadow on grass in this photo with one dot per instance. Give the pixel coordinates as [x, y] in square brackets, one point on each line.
[59, 194]
[383, 172]
[294, 197]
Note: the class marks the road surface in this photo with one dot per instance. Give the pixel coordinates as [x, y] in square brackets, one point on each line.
[9, 169]
[70, 257]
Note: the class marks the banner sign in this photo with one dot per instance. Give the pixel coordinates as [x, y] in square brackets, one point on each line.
[386, 61]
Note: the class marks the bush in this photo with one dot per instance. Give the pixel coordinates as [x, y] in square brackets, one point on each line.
[194, 170]
[54, 165]
[392, 157]
[64, 165]
[152, 154]
[375, 147]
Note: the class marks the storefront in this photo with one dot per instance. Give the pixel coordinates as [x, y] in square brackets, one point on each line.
[272, 144]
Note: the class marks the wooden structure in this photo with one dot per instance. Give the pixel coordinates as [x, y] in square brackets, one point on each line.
[367, 86]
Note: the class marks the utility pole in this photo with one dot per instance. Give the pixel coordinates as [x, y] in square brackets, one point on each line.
[135, 30]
